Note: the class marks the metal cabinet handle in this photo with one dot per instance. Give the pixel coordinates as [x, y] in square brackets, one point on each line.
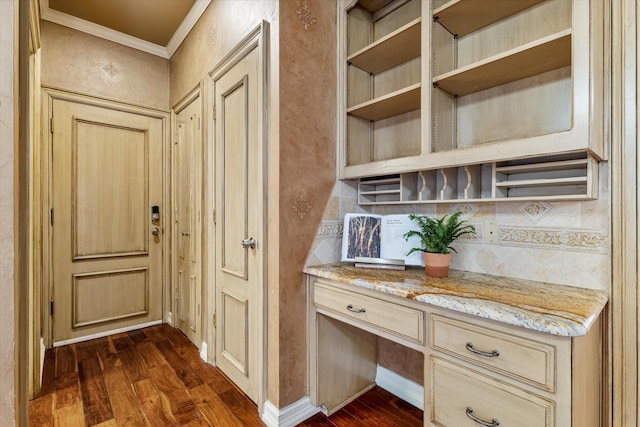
[355, 310]
[185, 233]
[248, 243]
[493, 423]
[493, 353]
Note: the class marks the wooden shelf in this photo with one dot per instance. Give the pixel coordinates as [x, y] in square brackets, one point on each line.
[546, 54]
[542, 182]
[462, 17]
[543, 167]
[393, 104]
[396, 48]
[373, 5]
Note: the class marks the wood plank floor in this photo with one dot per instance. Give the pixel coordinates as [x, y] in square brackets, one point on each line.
[155, 377]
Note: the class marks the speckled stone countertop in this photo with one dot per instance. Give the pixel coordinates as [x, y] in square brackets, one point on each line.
[544, 307]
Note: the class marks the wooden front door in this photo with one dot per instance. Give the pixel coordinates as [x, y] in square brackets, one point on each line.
[240, 220]
[187, 198]
[106, 248]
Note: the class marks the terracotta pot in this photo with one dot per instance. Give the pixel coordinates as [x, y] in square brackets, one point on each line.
[437, 265]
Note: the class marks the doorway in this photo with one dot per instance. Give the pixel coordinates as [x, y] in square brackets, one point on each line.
[239, 148]
[105, 246]
[187, 224]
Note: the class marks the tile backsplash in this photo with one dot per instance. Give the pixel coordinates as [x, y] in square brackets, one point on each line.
[558, 242]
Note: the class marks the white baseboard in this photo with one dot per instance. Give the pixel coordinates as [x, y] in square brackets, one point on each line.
[106, 333]
[170, 318]
[289, 416]
[43, 349]
[203, 351]
[402, 387]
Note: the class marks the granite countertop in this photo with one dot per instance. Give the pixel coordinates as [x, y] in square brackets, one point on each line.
[545, 307]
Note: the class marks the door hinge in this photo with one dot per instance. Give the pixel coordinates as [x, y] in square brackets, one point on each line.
[51, 216]
[51, 307]
[214, 216]
[198, 122]
[51, 125]
[214, 320]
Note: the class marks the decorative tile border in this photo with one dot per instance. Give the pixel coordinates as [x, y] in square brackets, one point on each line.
[330, 229]
[556, 238]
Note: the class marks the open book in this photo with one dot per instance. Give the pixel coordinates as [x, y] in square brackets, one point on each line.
[379, 236]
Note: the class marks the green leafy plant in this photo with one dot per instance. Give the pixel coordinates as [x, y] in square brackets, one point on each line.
[437, 234]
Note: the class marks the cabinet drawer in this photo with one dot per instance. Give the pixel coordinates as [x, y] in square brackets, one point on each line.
[519, 358]
[459, 394]
[394, 318]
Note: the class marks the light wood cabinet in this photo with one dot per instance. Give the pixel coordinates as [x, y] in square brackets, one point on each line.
[441, 96]
[475, 370]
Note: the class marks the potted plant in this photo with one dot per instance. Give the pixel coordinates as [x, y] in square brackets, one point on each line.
[436, 236]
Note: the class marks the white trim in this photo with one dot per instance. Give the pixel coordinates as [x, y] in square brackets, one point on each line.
[106, 33]
[203, 351]
[106, 333]
[185, 27]
[291, 415]
[402, 387]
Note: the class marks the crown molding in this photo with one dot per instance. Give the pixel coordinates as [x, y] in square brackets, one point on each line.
[88, 27]
[187, 24]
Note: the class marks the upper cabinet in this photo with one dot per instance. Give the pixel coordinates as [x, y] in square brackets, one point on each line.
[434, 85]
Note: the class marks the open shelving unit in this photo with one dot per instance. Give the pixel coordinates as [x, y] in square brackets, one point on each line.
[441, 97]
[563, 177]
[382, 70]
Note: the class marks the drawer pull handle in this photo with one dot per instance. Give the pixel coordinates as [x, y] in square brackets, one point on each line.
[355, 310]
[494, 353]
[493, 423]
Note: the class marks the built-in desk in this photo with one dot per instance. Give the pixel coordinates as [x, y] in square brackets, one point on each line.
[497, 351]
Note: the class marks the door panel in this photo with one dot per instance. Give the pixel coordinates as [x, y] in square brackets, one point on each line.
[107, 263]
[100, 230]
[239, 271]
[234, 184]
[122, 294]
[187, 201]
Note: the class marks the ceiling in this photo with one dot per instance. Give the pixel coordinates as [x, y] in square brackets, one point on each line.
[154, 26]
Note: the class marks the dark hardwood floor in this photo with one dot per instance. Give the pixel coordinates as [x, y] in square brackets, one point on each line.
[155, 377]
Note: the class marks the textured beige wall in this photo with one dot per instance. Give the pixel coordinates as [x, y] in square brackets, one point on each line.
[7, 128]
[82, 63]
[219, 29]
[307, 166]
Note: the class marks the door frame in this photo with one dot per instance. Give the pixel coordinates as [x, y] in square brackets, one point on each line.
[49, 94]
[257, 38]
[181, 104]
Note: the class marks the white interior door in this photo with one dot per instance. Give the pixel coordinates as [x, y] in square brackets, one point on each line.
[240, 220]
[106, 248]
[187, 200]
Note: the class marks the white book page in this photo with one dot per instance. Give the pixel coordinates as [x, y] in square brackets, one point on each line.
[394, 245]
